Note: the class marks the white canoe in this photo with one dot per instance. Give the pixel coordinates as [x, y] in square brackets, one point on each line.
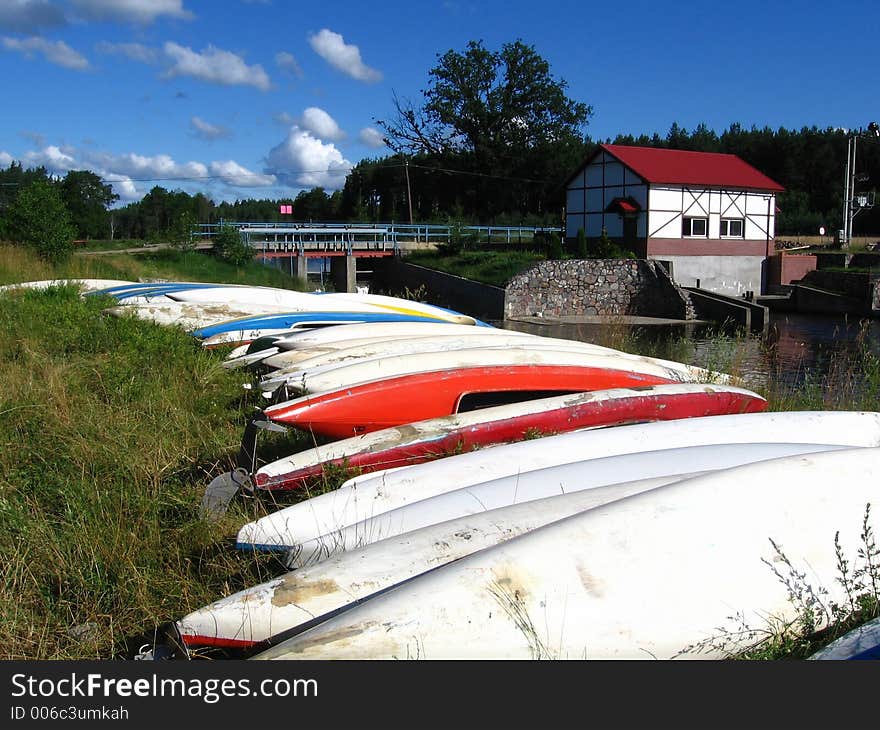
[190, 315]
[376, 330]
[538, 484]
[703, 568]
[255, 296]
[85, 285]
[370, 347]
[365, 497]
[531, 352]
[266, 610]
[286, 350]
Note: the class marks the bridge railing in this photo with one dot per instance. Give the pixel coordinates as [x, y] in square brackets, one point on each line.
[393, 234]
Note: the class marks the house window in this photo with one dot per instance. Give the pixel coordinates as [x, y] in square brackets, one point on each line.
[731, 228]
[694, 227]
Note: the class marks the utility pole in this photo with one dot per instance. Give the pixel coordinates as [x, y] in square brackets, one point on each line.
[408, 191]
[850, 209]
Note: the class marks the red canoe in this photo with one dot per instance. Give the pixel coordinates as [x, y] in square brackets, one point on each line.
[434, 438]
[378, 404]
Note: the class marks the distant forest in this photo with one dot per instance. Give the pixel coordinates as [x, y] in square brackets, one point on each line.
[452, 187]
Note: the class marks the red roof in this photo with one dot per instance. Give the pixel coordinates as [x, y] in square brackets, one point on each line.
[623, 205]
[677, 167]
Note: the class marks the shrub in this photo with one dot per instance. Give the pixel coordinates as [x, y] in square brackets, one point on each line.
[39, 219]
[183, 233]
[554, 248]
[231, 247]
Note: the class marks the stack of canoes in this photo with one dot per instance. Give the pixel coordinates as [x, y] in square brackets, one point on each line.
[516, 496]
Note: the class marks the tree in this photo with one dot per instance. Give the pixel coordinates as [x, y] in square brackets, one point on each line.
[39, 219]
[501, 121]
[486, 103]
[88, 200]
[229, 246]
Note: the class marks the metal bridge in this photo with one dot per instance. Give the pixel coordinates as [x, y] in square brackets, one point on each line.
[309, 239]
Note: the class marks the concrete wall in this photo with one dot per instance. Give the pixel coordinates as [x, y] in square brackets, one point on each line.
[851, 283]
[395, 276]
[605, 287]
[733, 275]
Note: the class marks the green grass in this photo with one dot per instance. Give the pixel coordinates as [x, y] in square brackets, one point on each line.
[111, 428]
[487, 267]
[18, 264]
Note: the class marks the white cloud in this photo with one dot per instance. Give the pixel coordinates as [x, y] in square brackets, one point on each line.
[286, 62]
[132, 175]
[53, 158]
[131, 11]
[57, 52]
[208, 131]
[154, 169]
[307, 161]
[123, 186]
[321, 124]
[234, 174]
[215, 66]
[28, 16]
[371, 137]
[134, 51]
[342, 56]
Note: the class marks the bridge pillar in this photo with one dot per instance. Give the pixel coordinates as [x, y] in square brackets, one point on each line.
[343, 273]
[302, 268]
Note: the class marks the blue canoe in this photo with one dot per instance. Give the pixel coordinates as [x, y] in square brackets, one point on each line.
[293, 320]
[863, 642]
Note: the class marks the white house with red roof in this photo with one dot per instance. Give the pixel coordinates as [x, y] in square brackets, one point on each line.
[710, 215]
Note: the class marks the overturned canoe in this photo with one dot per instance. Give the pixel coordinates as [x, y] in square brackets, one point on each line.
[425, 440]
[702, 568]
[377, 404]
[270, 609]
[369, 495]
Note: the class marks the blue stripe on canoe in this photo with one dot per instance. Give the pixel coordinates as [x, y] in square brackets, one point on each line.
[282, 321]
[161, 290]
[128, 289]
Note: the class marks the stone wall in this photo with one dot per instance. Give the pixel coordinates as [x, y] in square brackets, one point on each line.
[597, 287]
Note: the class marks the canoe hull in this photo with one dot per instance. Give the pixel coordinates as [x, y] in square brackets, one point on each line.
[391, 402]
[373, 494]
[698, 569]
[418, 442]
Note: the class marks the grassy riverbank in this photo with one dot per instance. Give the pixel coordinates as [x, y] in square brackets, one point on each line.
[113, 427]
[487, 267]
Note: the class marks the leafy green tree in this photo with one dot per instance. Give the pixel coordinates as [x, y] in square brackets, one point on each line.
[183, 232]
[12, 180]
[501, 121]
[39, 219]
[88, 200]
[231, 247]
[488, 102]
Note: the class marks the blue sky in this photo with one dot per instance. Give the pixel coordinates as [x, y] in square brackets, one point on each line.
[263, 98]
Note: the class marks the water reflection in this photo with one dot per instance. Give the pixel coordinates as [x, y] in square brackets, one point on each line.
[795, 349]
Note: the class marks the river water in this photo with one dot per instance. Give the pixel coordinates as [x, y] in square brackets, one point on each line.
[795, 351]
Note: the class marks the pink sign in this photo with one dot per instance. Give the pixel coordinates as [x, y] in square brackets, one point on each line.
[286, 209]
